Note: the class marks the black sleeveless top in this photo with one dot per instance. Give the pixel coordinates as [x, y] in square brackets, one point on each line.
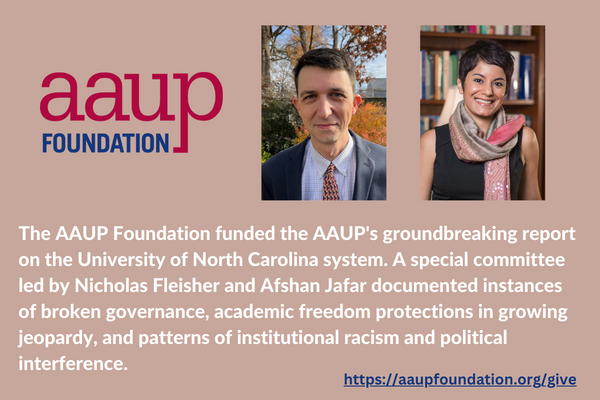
[454, 179]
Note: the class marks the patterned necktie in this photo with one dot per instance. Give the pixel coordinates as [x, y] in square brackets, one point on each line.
[330, 187]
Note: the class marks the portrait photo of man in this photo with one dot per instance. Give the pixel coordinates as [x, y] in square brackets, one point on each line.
[333, 162]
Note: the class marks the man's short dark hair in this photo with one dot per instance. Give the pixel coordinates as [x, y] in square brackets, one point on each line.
[327, 59]
[490, 52]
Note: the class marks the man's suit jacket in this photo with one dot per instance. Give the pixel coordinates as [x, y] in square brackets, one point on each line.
[282, 173]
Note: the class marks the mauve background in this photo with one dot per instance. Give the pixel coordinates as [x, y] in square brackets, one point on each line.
[199, 190]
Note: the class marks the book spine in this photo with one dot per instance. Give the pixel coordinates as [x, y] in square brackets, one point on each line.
[423, 75]
[438, 77]
[453, 68]
[513, 92]
[526, 70]
[445, 74]
[500, 29]
[429, 78]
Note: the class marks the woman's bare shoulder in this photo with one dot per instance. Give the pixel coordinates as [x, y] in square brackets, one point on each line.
[529, 137]
[529, 146]
[428, 139]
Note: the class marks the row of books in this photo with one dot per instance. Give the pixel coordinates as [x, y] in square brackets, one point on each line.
[512, 30]
[431, 121]
[439, 71]
[428, 122]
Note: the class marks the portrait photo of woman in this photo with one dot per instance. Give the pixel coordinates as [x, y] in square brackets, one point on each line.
[482, 153]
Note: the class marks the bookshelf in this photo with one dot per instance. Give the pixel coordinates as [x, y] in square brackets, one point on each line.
[535, 108]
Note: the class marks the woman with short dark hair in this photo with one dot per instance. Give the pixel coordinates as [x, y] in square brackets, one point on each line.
[481, 154]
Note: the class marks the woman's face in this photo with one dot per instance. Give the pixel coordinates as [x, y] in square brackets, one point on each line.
[484, 89]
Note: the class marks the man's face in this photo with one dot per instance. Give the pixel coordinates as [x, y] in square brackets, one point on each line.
[326, 104]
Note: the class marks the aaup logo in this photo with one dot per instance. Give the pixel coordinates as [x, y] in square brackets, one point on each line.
[123, 142]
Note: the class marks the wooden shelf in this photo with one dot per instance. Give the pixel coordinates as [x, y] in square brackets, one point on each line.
[447, 35]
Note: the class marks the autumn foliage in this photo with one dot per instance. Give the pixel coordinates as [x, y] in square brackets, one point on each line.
[304, 38]
[364, 43]
[280, 120]
[369, 122]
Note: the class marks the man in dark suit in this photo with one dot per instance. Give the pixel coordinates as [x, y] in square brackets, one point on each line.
[333, 163]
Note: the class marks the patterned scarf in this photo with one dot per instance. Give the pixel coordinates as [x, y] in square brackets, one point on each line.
[471, 145]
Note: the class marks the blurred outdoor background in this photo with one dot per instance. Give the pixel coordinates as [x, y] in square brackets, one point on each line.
[283, 45]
